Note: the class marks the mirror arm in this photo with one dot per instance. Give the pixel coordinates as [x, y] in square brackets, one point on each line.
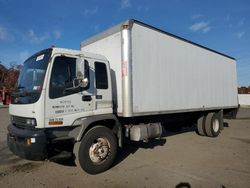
[72, 88]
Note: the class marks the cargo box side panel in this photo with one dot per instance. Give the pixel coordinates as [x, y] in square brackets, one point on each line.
[110, 47]
[172, 75]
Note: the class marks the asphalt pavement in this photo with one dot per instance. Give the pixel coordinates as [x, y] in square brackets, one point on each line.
[181, 159]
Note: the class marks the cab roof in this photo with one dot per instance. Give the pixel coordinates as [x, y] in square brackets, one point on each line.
[66, 51]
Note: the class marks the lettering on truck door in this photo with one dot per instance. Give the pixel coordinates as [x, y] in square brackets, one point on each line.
[63, 106]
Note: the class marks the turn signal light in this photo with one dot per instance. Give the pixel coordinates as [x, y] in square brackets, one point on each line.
[28, 141]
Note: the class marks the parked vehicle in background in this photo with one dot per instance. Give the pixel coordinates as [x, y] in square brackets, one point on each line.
[124, 83]
[4, 96]
[8, 78]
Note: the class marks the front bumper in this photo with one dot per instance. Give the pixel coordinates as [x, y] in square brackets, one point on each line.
[18, 140]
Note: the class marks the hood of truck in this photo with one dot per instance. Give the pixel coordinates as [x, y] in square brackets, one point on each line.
[35, 110]
[22, 110]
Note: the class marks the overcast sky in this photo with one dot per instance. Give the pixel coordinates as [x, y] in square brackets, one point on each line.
[27, 26]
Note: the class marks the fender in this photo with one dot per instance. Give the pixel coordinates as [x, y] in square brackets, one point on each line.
[83, 123]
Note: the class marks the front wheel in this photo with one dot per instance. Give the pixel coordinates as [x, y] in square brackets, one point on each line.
[97, 150]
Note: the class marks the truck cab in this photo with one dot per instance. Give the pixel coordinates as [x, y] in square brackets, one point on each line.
[56, 91]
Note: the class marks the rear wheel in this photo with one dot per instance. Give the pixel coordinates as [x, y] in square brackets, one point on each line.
[212, 125]
[201, 126]
[97, 150]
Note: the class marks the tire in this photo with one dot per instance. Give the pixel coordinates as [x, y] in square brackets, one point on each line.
[97, 150]
[76, 153]
[201, 126]
[212, 125]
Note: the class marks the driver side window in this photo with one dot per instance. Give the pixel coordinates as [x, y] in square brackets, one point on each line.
[63, 73]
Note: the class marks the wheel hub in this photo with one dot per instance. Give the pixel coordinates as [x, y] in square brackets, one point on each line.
[216, 125]
[99, 150]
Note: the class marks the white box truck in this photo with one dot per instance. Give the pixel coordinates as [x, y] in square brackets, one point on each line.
[124, 83]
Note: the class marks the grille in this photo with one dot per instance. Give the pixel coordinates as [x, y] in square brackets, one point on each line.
[18, 121]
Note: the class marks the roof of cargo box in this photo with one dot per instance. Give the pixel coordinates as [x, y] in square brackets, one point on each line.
[130, 23]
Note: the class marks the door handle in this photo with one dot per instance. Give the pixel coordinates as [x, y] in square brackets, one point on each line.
[98, 96]
[86, 98]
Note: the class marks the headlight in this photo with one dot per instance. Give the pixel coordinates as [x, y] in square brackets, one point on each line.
[31, 122]
[23, 121]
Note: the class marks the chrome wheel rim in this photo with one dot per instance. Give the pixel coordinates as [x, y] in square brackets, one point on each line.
[99, 150]
[216, 125]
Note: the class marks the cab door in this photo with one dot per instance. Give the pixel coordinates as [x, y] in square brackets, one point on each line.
[103, 93]
[64, 105]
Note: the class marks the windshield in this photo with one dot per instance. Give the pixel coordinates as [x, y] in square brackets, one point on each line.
[30, 81]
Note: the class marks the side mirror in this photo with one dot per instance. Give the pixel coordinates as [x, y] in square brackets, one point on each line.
[80, 73]
[80, 68]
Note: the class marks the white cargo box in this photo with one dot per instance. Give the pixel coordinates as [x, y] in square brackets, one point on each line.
[155, 72]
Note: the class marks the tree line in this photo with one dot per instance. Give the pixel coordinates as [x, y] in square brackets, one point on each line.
[9, 76]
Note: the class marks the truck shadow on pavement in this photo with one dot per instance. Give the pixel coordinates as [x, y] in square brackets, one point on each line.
[131, 147]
